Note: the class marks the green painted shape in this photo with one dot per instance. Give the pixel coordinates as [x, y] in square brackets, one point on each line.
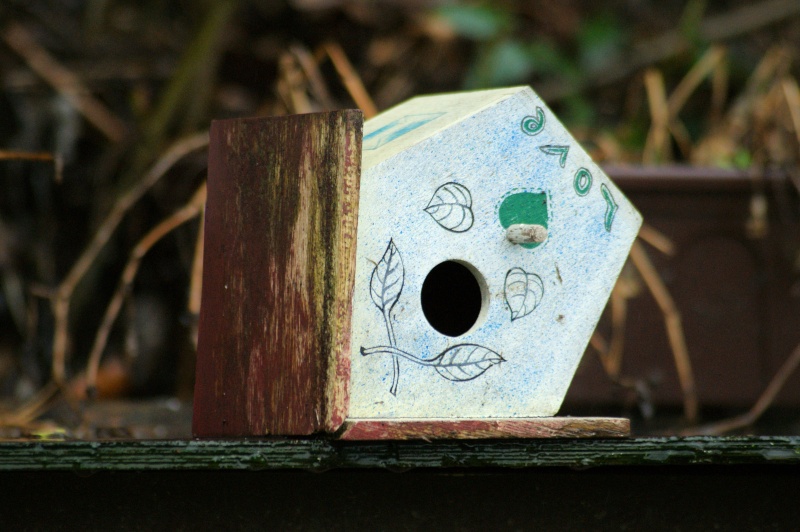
[582, 182]
[524, 208]
[560, 151]
[533, 125]
[611, 207]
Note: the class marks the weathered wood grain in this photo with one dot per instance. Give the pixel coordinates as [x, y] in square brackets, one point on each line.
[545, 427]
[321, 455]
[274, 334]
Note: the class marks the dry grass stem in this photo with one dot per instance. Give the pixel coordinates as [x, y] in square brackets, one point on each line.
[61, 300]
[600, 345]
[702, 69]
[58, 162]
[196, 279]
[32, 408]
[19, 39]
[292, 86]
[792, 94]
[7, 155]
[619, 314]
[657, 239]
[764, 401]
[350, 79]
[736, 22]
[192, 209]
[672, 319]
[316, 81]
[719, 91]
[656, 146]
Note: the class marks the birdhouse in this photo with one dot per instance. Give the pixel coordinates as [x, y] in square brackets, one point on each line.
[446, 286]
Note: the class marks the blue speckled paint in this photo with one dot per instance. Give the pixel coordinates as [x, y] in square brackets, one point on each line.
[483, 148]
[396, 129]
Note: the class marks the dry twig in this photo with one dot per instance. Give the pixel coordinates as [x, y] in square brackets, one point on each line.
[19, 39]
[192, 209]
[316, 81]
[656, 147]
[704, 67]
[32, 408]
[736, 22]
[62, 297]
[350, 78]
[764, 401]
[672, 319]
[58, 163]
[292, 86]
[657, 239]
[664, 111]
[196, 279]
[791, 93]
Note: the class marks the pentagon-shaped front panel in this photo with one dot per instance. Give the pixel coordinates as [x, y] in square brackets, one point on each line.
[451, 319]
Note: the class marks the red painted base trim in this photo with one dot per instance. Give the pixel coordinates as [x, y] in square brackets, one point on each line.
[544, 427]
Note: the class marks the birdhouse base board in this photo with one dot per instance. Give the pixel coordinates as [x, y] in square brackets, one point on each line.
[543, 427]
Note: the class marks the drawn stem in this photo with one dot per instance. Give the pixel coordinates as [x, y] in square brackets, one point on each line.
[395, 360]
[396, 353]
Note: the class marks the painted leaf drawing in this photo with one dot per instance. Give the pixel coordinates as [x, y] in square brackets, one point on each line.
[523, 292]
[451, 207]
[460, 363]
[465, 362]
[387, 279]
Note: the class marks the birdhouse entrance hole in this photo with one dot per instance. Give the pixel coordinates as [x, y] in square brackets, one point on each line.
[454, 296]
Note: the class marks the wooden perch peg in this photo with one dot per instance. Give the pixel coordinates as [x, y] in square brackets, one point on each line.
[526, 233]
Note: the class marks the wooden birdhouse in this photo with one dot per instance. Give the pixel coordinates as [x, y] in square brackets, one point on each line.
[438, 276]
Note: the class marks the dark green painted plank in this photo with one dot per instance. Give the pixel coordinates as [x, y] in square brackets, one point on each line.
[323, 455]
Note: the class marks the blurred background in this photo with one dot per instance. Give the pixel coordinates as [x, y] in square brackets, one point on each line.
[693, 108]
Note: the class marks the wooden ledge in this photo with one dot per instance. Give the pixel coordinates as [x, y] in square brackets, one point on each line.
[323, 454]
[543, 427]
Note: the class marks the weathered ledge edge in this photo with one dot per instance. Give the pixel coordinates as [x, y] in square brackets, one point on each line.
[318, 455]
[540, 427]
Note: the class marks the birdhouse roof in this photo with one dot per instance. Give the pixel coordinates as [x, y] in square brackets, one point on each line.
[404, 125]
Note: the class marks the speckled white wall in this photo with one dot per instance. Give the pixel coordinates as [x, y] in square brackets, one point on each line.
[436, 171]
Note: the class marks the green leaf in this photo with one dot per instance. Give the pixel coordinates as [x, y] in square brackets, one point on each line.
[742, 159]
[600, 42]
[692, 19]
[548, 61]
[479, 23]
[502, 63]
[578, 111]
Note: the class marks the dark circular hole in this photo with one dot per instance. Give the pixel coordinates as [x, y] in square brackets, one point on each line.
[451, 298]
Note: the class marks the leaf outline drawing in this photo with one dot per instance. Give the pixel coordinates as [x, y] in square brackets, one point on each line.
[451, 207]
[385, 286]
[387, 279]
[523, 292]
[463, 356]
[459, 363]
